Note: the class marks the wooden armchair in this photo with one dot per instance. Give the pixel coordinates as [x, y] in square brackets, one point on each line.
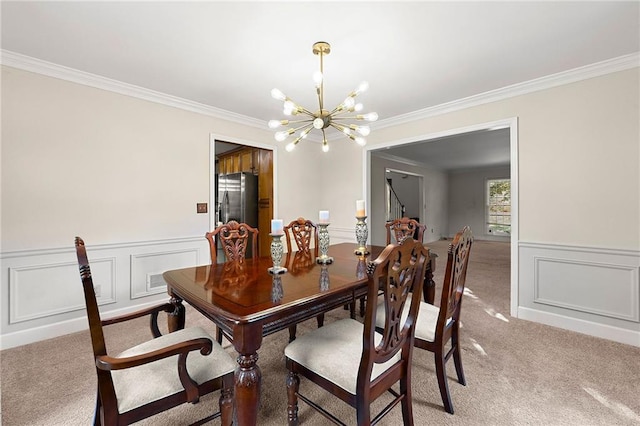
[303, 232]
[403, 228]
[352, 360]
[436, 326]
[236, 239]
[159, 374]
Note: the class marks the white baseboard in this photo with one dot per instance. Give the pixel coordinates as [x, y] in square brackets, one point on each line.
[617, 334]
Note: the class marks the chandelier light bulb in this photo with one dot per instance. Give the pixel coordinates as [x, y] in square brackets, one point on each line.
[363, 130]
[318, 123]
[358, 107]
[349, 102]
[361, 141]
[372, 116]
[280, 136]
[325, 147]
[363, 87]
[274, 124]
[277, 94]
[290, 147]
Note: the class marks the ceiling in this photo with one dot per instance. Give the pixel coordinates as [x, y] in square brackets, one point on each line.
[229, 55]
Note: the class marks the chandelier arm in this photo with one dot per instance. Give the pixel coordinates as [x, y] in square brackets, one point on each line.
[354, 117]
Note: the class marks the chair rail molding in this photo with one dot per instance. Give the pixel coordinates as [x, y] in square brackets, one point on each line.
[42, 294]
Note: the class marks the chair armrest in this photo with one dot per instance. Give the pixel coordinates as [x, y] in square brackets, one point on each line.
[109, 363]
[165, 307]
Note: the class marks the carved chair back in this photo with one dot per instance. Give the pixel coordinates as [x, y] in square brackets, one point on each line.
[235, 239]
[304, 232]
[403, 228]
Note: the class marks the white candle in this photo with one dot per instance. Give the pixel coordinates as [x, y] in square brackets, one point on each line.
[324, 216]
[360, 210]
[277, 227]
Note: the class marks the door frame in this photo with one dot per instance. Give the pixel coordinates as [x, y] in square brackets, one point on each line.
[510, 123]
[213, 137]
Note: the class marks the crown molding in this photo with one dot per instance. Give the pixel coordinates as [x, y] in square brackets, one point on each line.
[50, 69]
[27, 63]
[620, 63]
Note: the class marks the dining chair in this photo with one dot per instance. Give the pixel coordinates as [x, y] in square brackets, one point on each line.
[156, 375]
[236, 239]
[437, 326]
[303, 232]
[352, 360]
[403, 228]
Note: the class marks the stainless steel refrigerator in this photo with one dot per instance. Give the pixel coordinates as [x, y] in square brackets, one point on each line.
[238, 199]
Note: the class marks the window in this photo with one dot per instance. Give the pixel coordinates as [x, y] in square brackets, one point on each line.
[499, 206]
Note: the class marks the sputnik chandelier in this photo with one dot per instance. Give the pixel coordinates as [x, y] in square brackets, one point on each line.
[322, 119]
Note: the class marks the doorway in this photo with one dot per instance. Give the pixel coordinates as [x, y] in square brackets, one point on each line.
[377, 158]
[233, 156]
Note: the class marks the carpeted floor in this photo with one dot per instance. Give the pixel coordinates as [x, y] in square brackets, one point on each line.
[518, 372]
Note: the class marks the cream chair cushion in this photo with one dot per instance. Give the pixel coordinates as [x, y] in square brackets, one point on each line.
[426, 323]
[139, 385]
[334, 352]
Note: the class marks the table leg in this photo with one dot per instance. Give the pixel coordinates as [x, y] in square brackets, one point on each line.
[176, 319]
[248, 377]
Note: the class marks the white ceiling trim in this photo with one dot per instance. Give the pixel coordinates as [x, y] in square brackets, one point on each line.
[27, 63]
[50, 69]
[570, 76]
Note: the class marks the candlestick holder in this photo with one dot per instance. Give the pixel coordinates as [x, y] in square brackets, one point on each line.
[323, 242]
[362, 233]
[277, 250]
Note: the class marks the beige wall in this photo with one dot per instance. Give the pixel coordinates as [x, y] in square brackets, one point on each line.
[579, 159]
[111, 168]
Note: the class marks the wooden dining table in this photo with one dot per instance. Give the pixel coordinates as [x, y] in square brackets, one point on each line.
[248, 303]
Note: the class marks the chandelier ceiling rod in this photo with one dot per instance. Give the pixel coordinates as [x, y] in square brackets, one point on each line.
[322, 119]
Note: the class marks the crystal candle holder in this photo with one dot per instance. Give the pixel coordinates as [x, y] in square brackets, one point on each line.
[362, 233]
[323, 242]
[277, 250]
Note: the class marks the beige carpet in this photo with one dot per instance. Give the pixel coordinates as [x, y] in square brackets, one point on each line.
[518, 372]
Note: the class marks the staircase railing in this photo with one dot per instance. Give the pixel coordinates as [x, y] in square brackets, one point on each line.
[395, 209]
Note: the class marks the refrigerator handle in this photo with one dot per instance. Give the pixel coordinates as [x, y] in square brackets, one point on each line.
[225, 207]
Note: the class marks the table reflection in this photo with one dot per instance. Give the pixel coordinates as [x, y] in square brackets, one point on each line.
[324, 278]
[277, 293]
[300, 262]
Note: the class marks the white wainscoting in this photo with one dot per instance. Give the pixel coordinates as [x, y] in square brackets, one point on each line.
[42, 293]
[595, 291]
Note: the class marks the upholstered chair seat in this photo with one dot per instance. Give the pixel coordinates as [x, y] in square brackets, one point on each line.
[335, 352]
[150, 382]
[425, 324]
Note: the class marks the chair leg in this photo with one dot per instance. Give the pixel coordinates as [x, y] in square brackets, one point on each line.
[441, 373]
[219, 335]
[226, 401]
[457, 360]
[363, 411]
[293, 385]
[320, 320]
[407, 406]
[362, 306]
[96, 414]
[292, 333]
[352, 309]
